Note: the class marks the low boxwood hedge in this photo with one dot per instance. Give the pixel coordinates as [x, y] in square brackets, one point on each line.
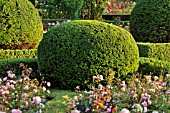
[159, 51]
[146, 66]
[11, 54]
[152, 66]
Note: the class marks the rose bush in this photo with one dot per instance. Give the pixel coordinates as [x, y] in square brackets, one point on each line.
[21, 94]
[137, 94]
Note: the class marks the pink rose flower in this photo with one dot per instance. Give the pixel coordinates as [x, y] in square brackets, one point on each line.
[75, 111]
[87, 109]
[4, 79]
[123, 84]
[12, 86]
[163, 84]
[4, 88]
[25, 95]
[149, 102]
[145, 103]
[32, 85]
[44, 89]
[48, 84]
[156, 78]
[35, 91]
[26, 87]
[168, 92]
[124, 110]
[11, 75]
[16, 111]
[36, 100]
[109, 110]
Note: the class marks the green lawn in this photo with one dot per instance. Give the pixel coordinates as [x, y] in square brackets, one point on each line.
[58, 102]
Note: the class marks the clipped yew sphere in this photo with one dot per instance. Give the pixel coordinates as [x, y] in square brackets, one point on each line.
[72, 53]
[20, 25]
[150, 21]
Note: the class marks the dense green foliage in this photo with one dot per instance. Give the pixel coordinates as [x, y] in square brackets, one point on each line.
[146, 66]
[153, 66]
[20, 25]
[74, 9]
[60, 9]
[54, 22]
[159, 51]
[33, 2]
[70, 54]
[150, 21]
[93, 9]
[14, 65]
[12, 54]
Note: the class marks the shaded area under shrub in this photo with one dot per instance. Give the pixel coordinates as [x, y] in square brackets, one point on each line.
[14, 65]
[146, 66]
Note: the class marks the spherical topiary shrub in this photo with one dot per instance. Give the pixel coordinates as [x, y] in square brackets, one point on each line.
[71, 53]
[20, 25]
[150, 21]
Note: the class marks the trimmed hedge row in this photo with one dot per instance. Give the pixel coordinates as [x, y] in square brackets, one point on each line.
[14, 65]
[146, 66]
[153, 66]
[11, 54]
[159, 51]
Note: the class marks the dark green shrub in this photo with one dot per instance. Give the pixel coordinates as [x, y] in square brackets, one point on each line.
[152, 66]
[20, 25]
[12, 54]
[70, 54]
[14, 65]
[159, 51]
[150, 21]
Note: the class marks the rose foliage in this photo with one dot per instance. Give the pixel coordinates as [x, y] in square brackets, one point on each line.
[138, 94]
[21, 94]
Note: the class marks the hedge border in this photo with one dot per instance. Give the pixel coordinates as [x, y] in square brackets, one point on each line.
[146, 66]
[12, 54]
[159, 51]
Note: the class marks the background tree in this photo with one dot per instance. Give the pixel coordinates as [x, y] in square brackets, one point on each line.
[52, 9]
[71, 9]
[93, 9]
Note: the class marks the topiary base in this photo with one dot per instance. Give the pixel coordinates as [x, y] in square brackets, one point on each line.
[23, 46]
